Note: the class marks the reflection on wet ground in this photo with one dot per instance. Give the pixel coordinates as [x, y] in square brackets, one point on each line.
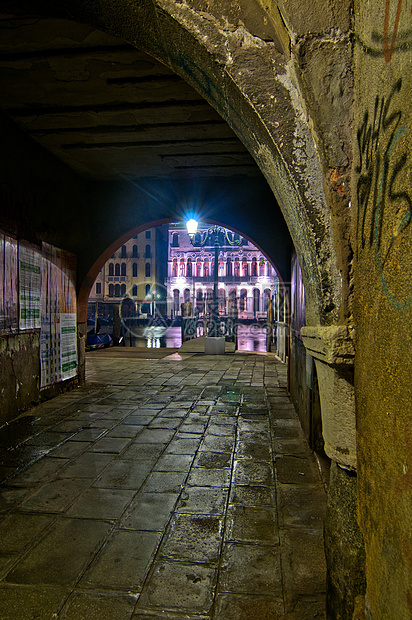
[250, 337]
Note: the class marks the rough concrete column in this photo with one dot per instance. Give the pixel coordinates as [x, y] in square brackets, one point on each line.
[344, 548]
[333, 351]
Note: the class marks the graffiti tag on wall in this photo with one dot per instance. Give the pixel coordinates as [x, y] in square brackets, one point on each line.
[384, 199]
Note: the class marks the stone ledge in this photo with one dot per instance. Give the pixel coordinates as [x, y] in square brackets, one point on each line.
[332, 344]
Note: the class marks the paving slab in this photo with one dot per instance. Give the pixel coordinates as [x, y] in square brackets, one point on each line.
[174, 487]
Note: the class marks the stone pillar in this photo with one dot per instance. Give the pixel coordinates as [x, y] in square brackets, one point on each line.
[333, 351]
[81, 351]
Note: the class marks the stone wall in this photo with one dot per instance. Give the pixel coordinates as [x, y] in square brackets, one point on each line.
[383, 300]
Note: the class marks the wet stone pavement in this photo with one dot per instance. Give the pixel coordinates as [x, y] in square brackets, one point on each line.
[171, 488]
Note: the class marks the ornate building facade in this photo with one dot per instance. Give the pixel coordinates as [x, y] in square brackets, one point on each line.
[247, 280]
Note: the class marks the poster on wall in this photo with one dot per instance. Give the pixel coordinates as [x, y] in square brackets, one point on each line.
[58, 339]
[10, 291]
[29, 287]
[68, 345]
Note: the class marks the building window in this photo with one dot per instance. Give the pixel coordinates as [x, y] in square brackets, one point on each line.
[222, 300]
[147, 270]
[237, 269]
[199, 300]
[117, 290]
[198, 268]
[134, 270]
[148, 234]
[186, 295]
[123, 253]
[175, 240]
[242, 300]
[176, 299]
[256, 296]
[134, 290]
[182, 267]
[206, 269]
[266, 298]
[111, 290]
[147, 290]
[229, 267]
[254, 267]
[245, 269]
[123, 269]
[123, 290]
[269, 269]
[134, 252]
[221, 269]
[117, 269]
[174, 268]
[189, 268]
[262, 267]
[98, 288]
[148, 251]
[111, 269]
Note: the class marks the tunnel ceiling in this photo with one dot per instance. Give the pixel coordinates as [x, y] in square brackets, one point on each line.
[107, 109]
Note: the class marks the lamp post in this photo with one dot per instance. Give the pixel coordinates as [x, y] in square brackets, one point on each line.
[214, 232]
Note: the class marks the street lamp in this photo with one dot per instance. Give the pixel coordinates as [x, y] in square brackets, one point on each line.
[215, 233]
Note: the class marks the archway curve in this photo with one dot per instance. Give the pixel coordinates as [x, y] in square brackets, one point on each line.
[88, 281]
[225, 65]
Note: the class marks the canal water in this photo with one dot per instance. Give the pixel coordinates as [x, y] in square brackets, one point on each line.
[250, 337]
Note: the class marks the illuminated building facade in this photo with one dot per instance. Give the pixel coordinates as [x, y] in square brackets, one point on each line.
[246, 278]
[136, 270]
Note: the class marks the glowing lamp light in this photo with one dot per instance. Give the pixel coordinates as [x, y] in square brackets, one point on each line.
[191, 226]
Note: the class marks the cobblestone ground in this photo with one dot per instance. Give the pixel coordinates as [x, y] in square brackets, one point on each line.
[172, 488]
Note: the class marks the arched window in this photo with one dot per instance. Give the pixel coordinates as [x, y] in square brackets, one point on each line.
[245, 268]
[117, 290]
[134, 290]
[229, 267]
[147, 290]
[266, 298]
[269, 269]
[222, 300]
[221, 268]
[256, 299]
[117, 269]
[189, 268]
[111, 269]
[176, 300]
[134, 270]
[123, 269]
[175, 240]
[198, 268]
[123, 253]
[174, 268]
[206, 268]
[123, 290]
[186, 295]
[111, 290]
[199, 300]
[182, 266]
[242, 300]
[148, 252]
[134, 253]
[254, 266]
[232, 302]
[237, 268]
[147, 270]
[262, 267]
